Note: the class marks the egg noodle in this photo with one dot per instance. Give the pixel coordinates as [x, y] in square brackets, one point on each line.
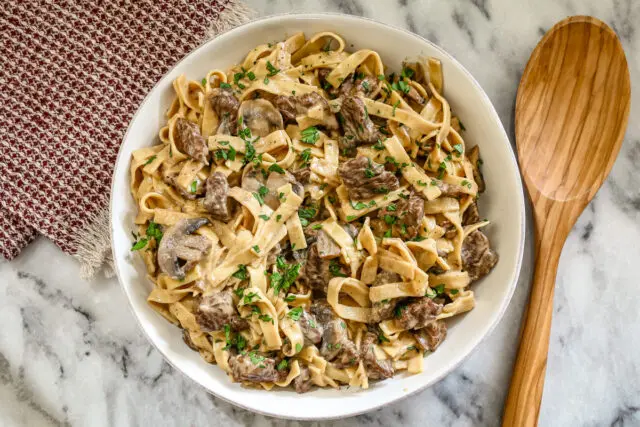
[261, 250]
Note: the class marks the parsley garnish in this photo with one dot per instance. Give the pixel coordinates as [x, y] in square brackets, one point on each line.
[264, 217]
[284, 364]
[265, 318]
[298, 348]
[256, 358]
[335, 270]
[295, 313]
[387, 233]
[290, 298]
[369, 172]
[249, 297]
[439, 289]
[139, 244]
[286, 277]
[407, 72]
[272, 70]
[241, 273]
[204, 81]
[194, 186]
[266, 80]
[390, 219]
[276, 168]
[441, 169]
[305, 156]
[458, 148]
[251, 75]
[256, 248]
[151, 159]
[378, 146]
[153, 230]
[393, 112]
[225, 85]
[351, 217]
[310, 135]
[381, 77]
[454, 291]
[306, 214]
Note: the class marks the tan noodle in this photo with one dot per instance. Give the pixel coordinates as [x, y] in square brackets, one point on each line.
[307, 219]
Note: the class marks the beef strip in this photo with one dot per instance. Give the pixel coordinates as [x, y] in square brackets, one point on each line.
[216, 200]
[365, 178]
[404, 216]
[216, 310]
[376, 369]
[225, 105]
[477, 256]
[430, 337]
[311, 328]
[293, 106]
[356, 123]
[255, 367]
[415, 96]
[418, 313]
[336, 345]
[471, 215]
[302, 382]
[317, 272]
[190, 141]
[384, 310]
[361, 85]
[303, 175]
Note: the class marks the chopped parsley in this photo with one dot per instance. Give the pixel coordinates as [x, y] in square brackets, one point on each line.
[241, 343]
[380, 77]
[266, 80]
[259, 196]
[241, 273]
[458, 148]
[248, 298]
[256, 358]
[316, 227]
[393, 112]
[225, 85]
[204, 81]
[305, 156]
[283, 279]
[390, 219]
[454, 292]
[365, 85]
[264, 217]
[151, 159]
[439, 289]
[461, 125]
[381, 190]
[441, 170]
[310, 135]
[194, 186]
[290, 298]
[265, 318]
[407, 72]
[351, 217]
[387, 233]
[139, 244]
[239, 292]
[335, 270]
[256, 248]
[382, 338]
[278, 218]
[392, 207]
[466, 183]
[306, 214]
[251, 75]
[368, 171]
[295, 313]
[378, 146]
[276, 168]
[272, 70]
[284, 364]
[298, 348]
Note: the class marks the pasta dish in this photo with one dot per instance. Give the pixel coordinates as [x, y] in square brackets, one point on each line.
[309, 218]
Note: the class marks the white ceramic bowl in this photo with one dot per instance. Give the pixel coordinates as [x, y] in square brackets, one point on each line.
[503, 203]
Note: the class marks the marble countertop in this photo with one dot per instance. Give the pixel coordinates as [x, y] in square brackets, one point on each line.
[71, 352]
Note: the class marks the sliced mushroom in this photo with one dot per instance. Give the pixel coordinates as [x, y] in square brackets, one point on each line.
[277, 180]
[252, 180]
[260, 116]
[179, 251]
[225, 105]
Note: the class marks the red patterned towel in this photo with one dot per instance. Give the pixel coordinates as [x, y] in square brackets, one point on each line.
[72, 74]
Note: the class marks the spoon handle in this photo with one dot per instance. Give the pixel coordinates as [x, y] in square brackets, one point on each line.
[525, 393]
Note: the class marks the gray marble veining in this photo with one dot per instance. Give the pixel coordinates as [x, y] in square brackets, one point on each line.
[71, 352]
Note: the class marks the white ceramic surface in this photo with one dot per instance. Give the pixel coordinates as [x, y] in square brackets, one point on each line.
[503, 203]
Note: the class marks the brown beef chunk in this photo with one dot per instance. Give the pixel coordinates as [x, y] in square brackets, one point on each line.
[404, 216]
[317, 272]
[216, 310]
[255, 367]
[225, 105]
[190, 141]
[365, 178]
[292, 106]
[430, 337]
[477, 256]
[216, 200]
[356, 123]
[336, 345]
[384, 310]
[471, 215]
[376, 369]
[417, 313]
[302, 382]
[311, 328]
[327, 247]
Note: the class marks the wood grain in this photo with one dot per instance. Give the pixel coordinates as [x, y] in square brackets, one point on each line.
[571, 114]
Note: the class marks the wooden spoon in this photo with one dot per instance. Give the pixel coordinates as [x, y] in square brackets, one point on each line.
[571, 114]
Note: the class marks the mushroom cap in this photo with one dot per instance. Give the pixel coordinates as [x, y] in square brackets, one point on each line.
[260, 116]
[176, 243]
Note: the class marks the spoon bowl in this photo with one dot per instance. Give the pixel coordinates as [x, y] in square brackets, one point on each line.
[571, 114]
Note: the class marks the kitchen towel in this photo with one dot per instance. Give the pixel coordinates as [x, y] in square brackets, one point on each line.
[72, 74]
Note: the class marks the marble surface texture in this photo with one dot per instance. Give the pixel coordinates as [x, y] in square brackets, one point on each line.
[71, 352]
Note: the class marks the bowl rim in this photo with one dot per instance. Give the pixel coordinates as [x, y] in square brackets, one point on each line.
[522, 223]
